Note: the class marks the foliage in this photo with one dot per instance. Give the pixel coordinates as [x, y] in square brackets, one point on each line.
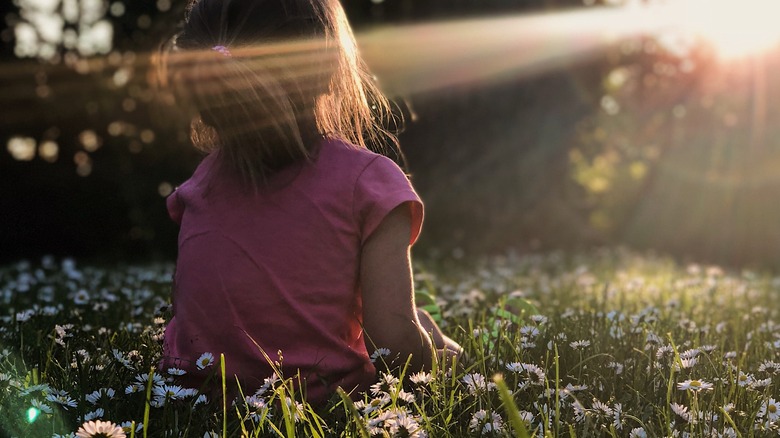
[604, 344]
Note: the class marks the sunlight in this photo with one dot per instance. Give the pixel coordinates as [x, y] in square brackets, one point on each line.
[437, 55]
[736, 29]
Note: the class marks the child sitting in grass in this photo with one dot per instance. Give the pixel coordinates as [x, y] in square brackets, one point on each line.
[294, 240]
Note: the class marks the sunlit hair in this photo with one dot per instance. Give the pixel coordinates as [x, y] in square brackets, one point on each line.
[266, 79]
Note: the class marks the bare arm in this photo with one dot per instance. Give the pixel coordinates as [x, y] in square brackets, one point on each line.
[390, 318]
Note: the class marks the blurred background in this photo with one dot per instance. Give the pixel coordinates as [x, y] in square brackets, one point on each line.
[530, 124]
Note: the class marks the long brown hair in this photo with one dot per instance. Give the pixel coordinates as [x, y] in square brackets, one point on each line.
[267, 78]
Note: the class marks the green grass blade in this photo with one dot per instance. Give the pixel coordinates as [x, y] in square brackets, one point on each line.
[147, 406]
[224, 393]
[353, 412]
[510, 407]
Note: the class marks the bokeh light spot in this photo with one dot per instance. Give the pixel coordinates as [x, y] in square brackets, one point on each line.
[135, 147]
[116, 128]
[90, 140]
[164, 189]
[83, 163]
[122, 76]
[163, 5]
[147, 136]
[114, 58]
[26, 40]
[618, 77]
[117, 9]
[679, 111]
[96, 38]
[70, 11]
[21, 148]
[144, 21]
[43, 91]
[49, 151]
[610, 105]
[128, 104]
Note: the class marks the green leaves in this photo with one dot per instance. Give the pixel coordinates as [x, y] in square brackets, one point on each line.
[426, 302]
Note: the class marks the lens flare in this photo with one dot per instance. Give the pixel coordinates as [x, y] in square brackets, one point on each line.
[32, 414]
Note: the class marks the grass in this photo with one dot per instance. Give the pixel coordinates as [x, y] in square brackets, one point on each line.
[605, 344]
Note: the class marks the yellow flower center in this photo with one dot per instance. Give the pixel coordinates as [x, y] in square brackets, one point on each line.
[695, 383]
[772, 408]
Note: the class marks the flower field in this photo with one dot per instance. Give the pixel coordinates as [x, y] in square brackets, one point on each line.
[611, 343]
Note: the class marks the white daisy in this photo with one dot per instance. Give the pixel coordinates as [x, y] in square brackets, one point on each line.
[295, 408]
[95, 396]
[618, 367]
[407, 426]
[97, 413]
[770, 367]
[486, 422]
[24, 315]
[385, 384]
[579, 344]
[694, 385]
[602, 408]
[535, 374]
[579, 411]
[686, 363]
[405, 396]
[769, 410]
[120, 357]
[529, 330]
[539, 319]
[375, 404]
[103, 429]
[761, 383]
[205, 360]
[515, 367]
[476, 383]
[62, 398]
[744, 379]
[258, 408]
[379, 352]
[170, 392]
[421, 378]
[617, 419]
[127, 427]
[268, 383]
[44, 408]
[682, 411]
[81, 297]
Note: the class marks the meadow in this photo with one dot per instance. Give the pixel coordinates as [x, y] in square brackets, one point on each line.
[608, 343]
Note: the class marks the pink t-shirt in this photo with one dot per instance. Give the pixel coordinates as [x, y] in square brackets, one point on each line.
[280, 268]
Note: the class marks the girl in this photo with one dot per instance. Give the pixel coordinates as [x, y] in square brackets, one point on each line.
[294, 240]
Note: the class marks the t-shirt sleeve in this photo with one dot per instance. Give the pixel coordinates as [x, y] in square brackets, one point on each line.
[175, 206]
[381, 187]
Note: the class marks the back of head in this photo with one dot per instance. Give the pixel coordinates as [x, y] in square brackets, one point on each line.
[268, 78]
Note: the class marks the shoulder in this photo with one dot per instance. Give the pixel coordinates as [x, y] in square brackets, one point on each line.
[348, 153]
[355, 160]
